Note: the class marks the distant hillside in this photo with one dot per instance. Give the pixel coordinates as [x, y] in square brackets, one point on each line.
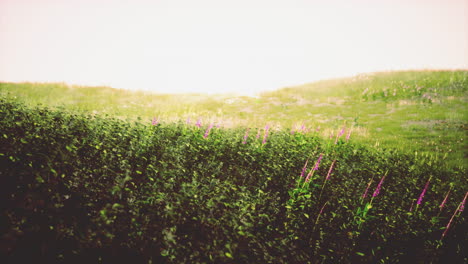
[423, 111]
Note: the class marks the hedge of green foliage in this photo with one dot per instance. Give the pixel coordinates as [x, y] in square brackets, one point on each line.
[86, 189]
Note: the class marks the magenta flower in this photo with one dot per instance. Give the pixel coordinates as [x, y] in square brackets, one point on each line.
[318, 162]
[330, 170]
[364, 195]
[421, 196]
[379, 186]
[304, 169]
[445, 199]
[265, 135]
[323, 207]
[155, 121]
[348, 135]
[246, 136]
[462, 204]
[460, 208]
[198, 124]
[341, 132]
[258, 134]
[207, 132]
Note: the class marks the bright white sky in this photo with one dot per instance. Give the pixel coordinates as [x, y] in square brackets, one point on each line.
[212, 46]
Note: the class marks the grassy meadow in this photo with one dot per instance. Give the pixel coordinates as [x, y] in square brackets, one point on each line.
[368, 169]
[415, 111]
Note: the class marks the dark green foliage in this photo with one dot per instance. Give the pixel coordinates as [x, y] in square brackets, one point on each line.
[86, 189]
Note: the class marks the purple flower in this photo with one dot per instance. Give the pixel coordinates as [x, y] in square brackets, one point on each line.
[445, 199]
[321, 210]
[304, 169]
[341, 132]
[379, 186]
[460, 208]
[421, 196]
[258, 134]
[155, 121]
[246, 136]
[318, 162]
[265, 135]
[364, 195]
[207, 132]
[462, 204]
[198, 124]
[330, 170]
[348, 135]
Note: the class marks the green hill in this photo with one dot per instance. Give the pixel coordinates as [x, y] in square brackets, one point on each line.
[421, 112]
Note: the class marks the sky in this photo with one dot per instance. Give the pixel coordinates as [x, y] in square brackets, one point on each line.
[217, 46]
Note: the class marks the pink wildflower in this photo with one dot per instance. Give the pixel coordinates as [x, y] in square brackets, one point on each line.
[341, 132]
[155, 121]
[258, 134]
[246, 136]
[462, 204]
[445, 199]
[318, 162]
[348, 135]
[379, 186]
[265, 135]
[304, 169]
[421, 196]
[364, 195]
[207, 132]
[323, 207]
[199, 123]
[459, 208]
[330, 170]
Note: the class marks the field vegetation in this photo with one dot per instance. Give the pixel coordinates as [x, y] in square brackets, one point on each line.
[369, 169]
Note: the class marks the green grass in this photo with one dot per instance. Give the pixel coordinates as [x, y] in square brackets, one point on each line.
[414, 111]
[86, 188]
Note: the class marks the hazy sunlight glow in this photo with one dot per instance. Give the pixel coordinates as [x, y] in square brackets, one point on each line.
[212, 46]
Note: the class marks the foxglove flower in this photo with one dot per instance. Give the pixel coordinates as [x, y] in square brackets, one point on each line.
[316, 167]
[462, 204]
[155, 121]
[364, 195]
[460, 208]
[379, 186]
[246, 136]
[265, 135]
[348, 135]
[341, 132]
[445, 199]
[304, 169]
[421, 196]
[207, 132]
[330, 170]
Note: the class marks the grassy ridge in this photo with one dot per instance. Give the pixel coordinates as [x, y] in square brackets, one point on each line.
[88, 188]
[423, 112]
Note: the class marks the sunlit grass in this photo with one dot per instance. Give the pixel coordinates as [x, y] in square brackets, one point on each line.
[422, 111]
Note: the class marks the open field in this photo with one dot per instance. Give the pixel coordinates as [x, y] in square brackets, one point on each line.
[360, 170]
[420, 111]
